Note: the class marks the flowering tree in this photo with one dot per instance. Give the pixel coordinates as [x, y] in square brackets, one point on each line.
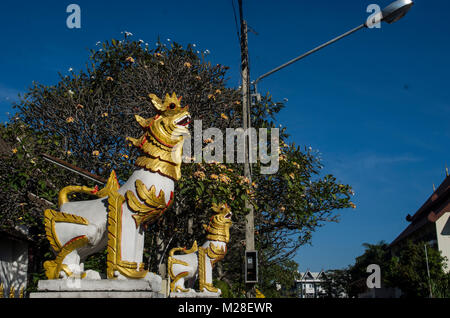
[90, 114]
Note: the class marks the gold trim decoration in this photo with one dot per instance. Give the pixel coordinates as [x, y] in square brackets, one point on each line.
[171, 261]
[178, 288]
[202, 272]
[51, 217]
[111, 185]
[54, 267]
[152, 208]
[159, 166]
[259, 294]
[12, 292]
[193, 249]
[219, 226]
[115, 201]
[201, 267]
[216, 253]
[114, 257]
[162, 140]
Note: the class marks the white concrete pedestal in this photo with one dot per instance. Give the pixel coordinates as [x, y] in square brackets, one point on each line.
[104, 288]
[194, 294]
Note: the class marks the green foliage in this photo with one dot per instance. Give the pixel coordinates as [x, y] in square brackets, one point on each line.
[441, 288]
[96, 262]
[278, 280]
[408, 270]
[26, 189]
[225, 288]
[374, 254]
[337, 283]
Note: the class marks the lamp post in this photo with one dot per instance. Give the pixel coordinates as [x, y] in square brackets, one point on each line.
[392, 13]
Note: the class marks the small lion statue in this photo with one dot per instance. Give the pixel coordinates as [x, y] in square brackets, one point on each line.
[198, 262]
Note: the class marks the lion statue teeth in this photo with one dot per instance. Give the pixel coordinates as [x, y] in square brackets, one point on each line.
[199, 261]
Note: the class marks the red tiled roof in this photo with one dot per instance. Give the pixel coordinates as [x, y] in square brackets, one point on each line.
[433, 208]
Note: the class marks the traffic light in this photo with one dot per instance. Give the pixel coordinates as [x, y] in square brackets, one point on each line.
[251, 266]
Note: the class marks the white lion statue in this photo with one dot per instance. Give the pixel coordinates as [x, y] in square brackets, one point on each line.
[117, 218]
[198, 262]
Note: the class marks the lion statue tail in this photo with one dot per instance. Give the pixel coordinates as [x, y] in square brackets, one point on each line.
[193, 249]
[111, 185]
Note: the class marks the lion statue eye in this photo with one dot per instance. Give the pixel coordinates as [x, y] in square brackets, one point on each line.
[172, 106]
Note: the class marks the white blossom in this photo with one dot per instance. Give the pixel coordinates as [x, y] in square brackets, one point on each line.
[127, 33]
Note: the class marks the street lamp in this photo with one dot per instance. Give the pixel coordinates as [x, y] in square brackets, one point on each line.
[396, 10]
[392, 13]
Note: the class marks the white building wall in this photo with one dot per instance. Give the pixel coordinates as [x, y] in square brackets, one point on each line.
[443, 236]
[13, 265]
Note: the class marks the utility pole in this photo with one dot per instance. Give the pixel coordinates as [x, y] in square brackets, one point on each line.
[246, 123]
[250, 238]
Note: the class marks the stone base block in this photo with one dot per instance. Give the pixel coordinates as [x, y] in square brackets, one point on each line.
[96, 294]
[194, 294]
[84, 288]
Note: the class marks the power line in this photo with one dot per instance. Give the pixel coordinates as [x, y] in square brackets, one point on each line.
[238, 36]
[236, 22]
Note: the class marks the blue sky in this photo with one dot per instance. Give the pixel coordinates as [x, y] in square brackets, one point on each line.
[376, 104]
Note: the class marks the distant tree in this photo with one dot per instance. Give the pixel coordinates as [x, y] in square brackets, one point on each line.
[278, 280]
[408, 271]
[374, 254]
[337, 283]
[441, 288]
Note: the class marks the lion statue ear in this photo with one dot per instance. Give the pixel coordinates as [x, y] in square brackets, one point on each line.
[157, 102]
